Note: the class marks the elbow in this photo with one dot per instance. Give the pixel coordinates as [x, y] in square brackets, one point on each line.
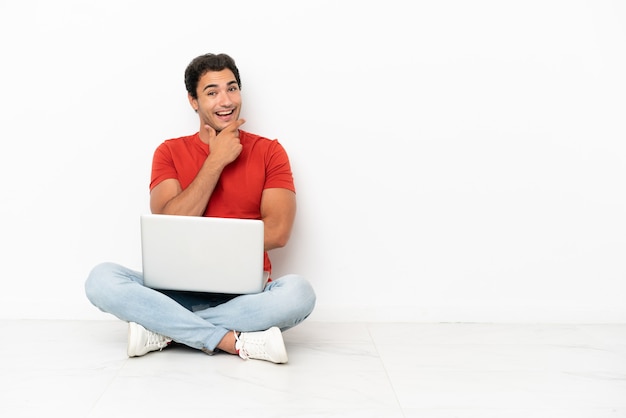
[278, 241]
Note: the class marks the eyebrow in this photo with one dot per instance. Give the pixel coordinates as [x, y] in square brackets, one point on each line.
[211, 86]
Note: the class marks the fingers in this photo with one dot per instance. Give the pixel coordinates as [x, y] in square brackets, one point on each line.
[210, 130]
[235, 125]
[232, 127]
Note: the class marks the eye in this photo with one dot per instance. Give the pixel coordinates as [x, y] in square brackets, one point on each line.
[233, 88]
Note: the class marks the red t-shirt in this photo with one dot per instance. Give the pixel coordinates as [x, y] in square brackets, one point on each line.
[262, 164]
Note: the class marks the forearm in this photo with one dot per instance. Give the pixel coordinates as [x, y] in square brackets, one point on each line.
[193, 200]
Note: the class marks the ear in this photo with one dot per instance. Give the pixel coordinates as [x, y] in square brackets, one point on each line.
[193, 102]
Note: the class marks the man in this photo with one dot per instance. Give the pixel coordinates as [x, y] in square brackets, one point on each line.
[220, 171]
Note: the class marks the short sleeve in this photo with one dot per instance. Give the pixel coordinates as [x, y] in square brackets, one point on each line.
[279, 174]
[163, 167]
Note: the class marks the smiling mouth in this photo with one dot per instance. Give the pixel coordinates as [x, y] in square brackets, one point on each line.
[227, 113]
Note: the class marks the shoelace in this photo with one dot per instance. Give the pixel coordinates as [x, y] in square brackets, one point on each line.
[251, 347]
[156, 340]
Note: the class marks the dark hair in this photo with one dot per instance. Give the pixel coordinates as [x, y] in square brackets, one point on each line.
[208, 62]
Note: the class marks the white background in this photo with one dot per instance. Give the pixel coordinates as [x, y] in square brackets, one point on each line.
[454, 160]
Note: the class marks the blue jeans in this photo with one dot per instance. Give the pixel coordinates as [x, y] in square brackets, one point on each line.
[199, 320]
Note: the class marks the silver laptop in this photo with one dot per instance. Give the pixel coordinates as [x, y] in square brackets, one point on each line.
[202, 254]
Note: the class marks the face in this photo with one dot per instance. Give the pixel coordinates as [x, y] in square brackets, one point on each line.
[219, 99]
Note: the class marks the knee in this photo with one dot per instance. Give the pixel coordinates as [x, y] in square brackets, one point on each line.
[302, 292]
[97, 280]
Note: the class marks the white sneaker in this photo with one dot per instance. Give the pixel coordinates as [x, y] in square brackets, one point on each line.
[262, 345]
[142, 341]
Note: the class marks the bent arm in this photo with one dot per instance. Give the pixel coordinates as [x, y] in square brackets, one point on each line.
[169, 198]
[278, 212]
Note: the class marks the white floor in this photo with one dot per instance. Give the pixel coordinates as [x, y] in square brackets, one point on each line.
[80, 369]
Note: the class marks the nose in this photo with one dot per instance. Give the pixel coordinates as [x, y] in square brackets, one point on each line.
[225, 100]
